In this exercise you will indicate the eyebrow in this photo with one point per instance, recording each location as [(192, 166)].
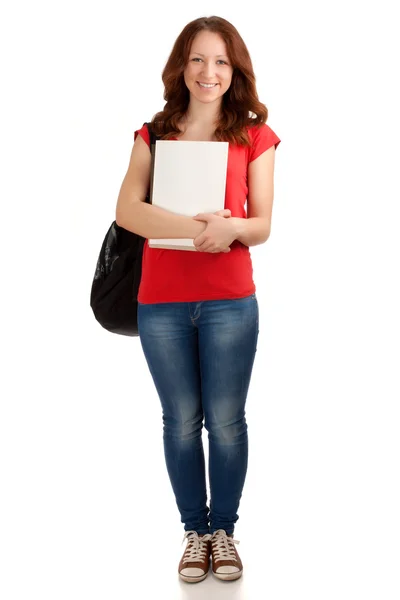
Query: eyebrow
[(218, 55)]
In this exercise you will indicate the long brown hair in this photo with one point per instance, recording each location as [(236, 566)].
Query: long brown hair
[(239, 100)]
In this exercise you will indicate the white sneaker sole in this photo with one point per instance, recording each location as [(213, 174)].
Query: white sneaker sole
[(193, 579), (228, 576)]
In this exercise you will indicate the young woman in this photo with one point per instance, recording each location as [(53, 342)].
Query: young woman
[(198, 311)]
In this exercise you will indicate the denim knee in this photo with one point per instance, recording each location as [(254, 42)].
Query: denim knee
[(181, 428), (228, 433)]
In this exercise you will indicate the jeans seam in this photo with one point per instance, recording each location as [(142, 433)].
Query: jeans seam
[(193, 319)]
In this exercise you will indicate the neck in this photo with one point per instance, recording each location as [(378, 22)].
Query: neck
[(205, 115)]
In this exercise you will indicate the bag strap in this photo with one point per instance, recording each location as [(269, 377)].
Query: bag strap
[(152, 135), (153, 138)]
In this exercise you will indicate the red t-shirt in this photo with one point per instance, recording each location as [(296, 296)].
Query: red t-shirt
[(188, 276)]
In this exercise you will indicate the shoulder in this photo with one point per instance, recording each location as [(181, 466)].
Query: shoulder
[(262, 137), (144, 133)]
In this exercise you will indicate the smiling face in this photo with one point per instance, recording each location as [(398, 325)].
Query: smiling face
[(209, 65)]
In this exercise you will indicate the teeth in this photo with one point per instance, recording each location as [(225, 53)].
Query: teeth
[(207, 85)]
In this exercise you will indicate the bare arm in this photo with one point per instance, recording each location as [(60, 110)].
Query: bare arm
[(134, 214), (257, 227), (252, 231)]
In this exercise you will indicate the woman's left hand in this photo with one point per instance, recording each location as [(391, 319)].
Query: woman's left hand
[(217, 236)]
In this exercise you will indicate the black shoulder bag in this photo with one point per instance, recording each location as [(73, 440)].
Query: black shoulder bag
[(115, 285)]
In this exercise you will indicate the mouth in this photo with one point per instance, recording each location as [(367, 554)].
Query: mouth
[(206, 86)]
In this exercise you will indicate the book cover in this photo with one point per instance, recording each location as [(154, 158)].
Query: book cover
[(188, 178)]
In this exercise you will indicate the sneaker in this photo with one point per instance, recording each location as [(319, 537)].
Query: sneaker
[(226, 563), (195, 562)]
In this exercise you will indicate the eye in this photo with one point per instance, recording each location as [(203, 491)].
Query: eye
[(220, 60)]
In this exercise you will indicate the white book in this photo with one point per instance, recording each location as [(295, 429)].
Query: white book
[(188, 178)]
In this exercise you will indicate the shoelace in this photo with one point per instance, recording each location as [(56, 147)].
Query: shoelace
[(223, 548), (197, 547)]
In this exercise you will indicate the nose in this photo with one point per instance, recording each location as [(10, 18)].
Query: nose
[(208, 70)]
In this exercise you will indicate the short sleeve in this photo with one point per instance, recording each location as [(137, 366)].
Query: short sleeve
[(144, 133), (262, 139)]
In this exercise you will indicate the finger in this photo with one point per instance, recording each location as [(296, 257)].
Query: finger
[(202, 217), (199, 240), (213, 250), (223, 213), (205, 247)]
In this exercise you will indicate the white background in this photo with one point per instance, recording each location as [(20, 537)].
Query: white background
[(86, 507)]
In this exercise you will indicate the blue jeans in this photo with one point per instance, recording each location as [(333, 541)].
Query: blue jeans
[(200, 356)]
